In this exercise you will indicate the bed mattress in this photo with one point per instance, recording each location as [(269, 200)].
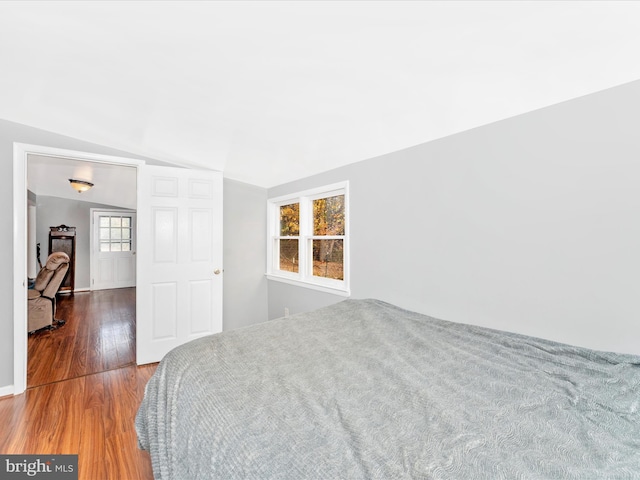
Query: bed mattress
[(366, 390)]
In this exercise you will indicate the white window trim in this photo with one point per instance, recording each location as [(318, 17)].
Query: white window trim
[(304, 278)]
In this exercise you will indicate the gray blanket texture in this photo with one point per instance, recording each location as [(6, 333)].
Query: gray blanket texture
[(366, 390)]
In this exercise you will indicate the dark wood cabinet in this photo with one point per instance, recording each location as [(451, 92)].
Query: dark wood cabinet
[(63, 239)]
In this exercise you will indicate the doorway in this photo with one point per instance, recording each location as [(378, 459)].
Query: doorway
[(178, 273), (21, 155), (100, 329)]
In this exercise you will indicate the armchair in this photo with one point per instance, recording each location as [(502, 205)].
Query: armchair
[(42, 298)]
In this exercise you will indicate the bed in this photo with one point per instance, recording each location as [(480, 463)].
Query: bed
[(366, 390)]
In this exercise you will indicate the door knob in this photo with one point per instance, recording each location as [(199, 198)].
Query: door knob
[(216, 271)]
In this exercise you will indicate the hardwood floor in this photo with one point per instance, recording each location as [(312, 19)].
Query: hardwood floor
[(99, 335), (83, 389), (92, 416)]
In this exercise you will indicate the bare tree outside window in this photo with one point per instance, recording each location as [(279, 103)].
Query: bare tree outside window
[(289, 227), (328, 221), (308, 241)]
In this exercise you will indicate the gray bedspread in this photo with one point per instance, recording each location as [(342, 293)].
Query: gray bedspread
[(365, 390)]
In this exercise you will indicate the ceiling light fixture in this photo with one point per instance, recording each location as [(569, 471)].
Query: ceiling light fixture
[(80, 185)]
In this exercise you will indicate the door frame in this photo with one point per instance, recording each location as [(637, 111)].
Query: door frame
[(93, 253), (20, 154)]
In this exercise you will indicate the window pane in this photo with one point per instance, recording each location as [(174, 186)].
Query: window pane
[(290, 220), (328, 259), (104, 221), (116, 233), (115, 247), (115, 221), (126, 247), (328, 216), (289, 255), (104, 234), (104, 247), (126, 222), (126, 233)]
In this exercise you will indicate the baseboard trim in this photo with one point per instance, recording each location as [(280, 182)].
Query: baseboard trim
[(6, 391), (77, 290)]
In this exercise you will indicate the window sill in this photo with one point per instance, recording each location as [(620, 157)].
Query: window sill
[(344, 292)]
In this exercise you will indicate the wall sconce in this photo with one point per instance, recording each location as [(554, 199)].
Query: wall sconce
[(80, 185)]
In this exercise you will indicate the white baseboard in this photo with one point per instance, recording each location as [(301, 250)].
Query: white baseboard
[(8, 390), (76, 290)]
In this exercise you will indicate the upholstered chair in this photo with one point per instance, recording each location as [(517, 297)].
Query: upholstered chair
[(42, 298)]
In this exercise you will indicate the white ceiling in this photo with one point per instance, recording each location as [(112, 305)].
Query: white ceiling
[(114, 185), (269, 92)]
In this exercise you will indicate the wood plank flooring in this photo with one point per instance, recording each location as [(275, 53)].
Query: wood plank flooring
[(99, 335), (92, 416), (83, 389)]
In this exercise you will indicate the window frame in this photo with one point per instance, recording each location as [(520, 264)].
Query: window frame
[(304, 277), (111, 240)]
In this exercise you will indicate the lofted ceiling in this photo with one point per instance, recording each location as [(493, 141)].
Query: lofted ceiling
[(269, 92)]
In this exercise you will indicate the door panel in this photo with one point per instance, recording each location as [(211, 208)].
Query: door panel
[(180, 218), (165, 313), (105, 272), (165, 234), (201, 305), (125, 271), (200, 223)]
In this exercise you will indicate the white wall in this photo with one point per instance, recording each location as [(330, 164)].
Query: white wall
[(245, 286), (296, 299), (529, 225)]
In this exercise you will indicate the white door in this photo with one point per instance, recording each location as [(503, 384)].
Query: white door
[(113, 249), (179, 288)]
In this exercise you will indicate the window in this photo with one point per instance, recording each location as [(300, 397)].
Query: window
[(115, 233), (308, 239)]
